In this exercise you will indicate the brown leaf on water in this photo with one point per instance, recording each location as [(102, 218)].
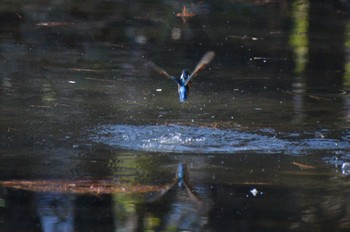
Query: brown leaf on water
[(303, 166), (319, 98), (94, 187), (211, 125), (185, 14)]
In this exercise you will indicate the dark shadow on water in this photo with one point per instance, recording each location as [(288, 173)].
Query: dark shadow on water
[(327, 54)]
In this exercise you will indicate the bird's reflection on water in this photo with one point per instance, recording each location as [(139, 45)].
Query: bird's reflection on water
[(56, 202)]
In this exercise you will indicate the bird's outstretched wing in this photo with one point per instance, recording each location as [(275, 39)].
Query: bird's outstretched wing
[(156, 196), (194, 196), (159, 70), (207, 57)]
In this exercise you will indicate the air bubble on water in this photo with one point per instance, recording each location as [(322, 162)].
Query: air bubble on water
[(345, 168), (254, 192)]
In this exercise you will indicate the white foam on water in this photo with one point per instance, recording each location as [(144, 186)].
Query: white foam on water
[(176, 138)]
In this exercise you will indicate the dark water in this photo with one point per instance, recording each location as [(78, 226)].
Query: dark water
[(264, 133)]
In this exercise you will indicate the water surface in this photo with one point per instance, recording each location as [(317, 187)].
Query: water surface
[(91, 138)]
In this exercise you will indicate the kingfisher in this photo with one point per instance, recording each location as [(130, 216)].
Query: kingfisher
[(184, 82)]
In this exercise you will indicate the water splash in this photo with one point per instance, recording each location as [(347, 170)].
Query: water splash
[(191, 139)]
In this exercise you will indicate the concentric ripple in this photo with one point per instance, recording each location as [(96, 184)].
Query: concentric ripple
[(176, 138)]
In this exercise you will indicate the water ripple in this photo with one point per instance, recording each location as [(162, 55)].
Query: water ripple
[(175, 138)]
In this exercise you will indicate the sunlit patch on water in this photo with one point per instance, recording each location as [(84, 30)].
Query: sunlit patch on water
[(191, 139)]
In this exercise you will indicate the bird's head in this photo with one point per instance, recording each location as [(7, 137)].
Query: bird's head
[(184, 75)]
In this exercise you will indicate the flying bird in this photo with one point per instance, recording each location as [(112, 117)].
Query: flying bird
[(184, 81)]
